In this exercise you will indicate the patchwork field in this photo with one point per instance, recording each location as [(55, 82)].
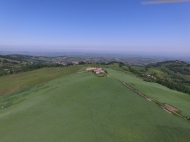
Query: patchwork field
[(82, 107)]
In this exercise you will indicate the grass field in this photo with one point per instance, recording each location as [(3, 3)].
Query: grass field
[(82, 107), (15, 82), (156, 91)]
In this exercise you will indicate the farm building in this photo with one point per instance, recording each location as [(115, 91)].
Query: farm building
[(99, 70), (95, 70)]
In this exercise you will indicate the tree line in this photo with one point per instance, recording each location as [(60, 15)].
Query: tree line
[(27, 68)]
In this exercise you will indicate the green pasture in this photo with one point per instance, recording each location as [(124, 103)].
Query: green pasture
[(85, 108), (158, 92), (138, 68), (157, 71), (187, 77), (114, 66), (15, 82)]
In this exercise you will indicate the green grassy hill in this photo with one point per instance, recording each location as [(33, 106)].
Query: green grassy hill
[(15, 82), (82, 107), (156, 91)]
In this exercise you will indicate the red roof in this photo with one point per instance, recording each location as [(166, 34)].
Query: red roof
[(98, 70)]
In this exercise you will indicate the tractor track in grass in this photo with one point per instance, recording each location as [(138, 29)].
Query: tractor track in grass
[(165, 107)]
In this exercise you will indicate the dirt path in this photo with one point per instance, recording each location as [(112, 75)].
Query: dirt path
[(166, 107)]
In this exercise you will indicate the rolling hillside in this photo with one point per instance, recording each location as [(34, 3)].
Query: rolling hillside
[(156, 91), (172, 74), (15, 82), (83, 107)]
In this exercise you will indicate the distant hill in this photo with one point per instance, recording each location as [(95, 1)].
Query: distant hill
[(12, 64), (173, 74)]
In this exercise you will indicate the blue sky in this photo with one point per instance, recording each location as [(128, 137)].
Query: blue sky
[(122, 25)]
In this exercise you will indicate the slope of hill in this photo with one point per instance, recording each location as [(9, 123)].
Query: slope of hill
[(83, 107), (172, 74), (15, 82), (163, 94)]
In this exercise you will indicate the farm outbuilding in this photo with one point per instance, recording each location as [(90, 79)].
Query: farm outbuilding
[(99, 70)]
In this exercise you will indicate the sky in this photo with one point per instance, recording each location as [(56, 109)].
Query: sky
[(111, 25)]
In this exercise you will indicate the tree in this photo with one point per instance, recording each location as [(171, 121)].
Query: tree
[(11, 72), (5, 61), (81, 63)]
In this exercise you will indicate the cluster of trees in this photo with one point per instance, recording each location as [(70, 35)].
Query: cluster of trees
[(16, 57), (121, 64), (81, 63), (7, 61), (177, 78), (133, 70), (181, 70), (172, 85), (154, 65), (140, 74), (27, 68), (112, 62), (148, 79)]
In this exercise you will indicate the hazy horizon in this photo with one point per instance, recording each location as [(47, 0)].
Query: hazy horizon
[(97, 53)]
